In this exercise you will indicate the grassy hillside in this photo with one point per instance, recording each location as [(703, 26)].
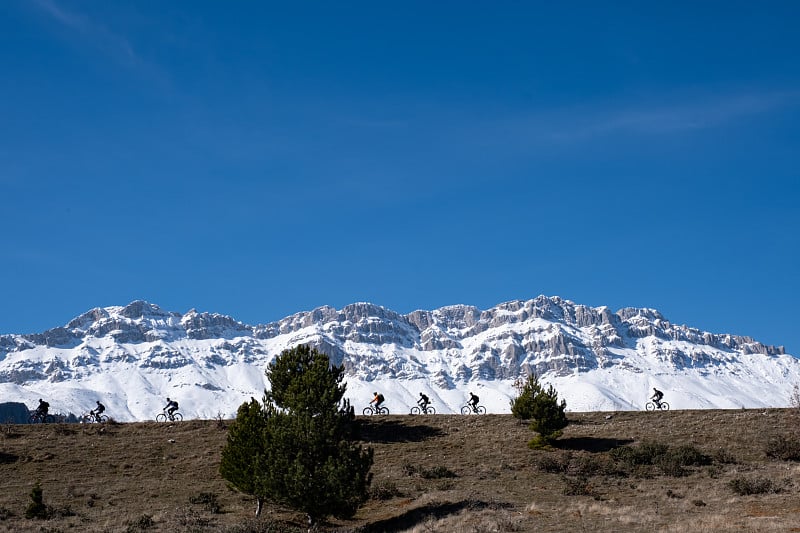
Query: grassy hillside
[(626, 471)]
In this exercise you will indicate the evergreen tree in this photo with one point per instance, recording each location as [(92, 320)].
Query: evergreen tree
[(296, 448), (36, 508), (541, 406), (243, 454)]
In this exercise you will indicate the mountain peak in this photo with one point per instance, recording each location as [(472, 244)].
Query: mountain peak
[(139, 353)]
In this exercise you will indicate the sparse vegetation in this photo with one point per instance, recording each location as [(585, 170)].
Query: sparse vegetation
[(745, 486), (437, 472), (208, 500), (783, 447), (670, 461), (385, 489), (132, 478), (143, 523)]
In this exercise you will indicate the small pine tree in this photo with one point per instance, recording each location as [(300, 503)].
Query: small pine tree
[(540, 405), (37, 508), (296, 449)]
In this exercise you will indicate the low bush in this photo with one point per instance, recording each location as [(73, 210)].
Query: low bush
[(410, 469), (576, 486), (255, 525), (744, 486), (783, 447), (670, 461), (437, 472), (208, 500), (553, 464), (723, 456), (142, 523), (384, 490)]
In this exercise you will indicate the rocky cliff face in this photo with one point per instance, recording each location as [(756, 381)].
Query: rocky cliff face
[(134, 356), (546, 335)]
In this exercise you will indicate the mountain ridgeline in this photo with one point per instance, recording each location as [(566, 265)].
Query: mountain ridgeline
[(446, 347)]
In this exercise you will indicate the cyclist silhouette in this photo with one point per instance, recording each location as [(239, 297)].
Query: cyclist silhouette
[(657, 396), (423, 402)]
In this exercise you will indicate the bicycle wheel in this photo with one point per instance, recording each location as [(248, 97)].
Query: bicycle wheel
[(87, 419), (650, 406), (161, 417), (430, 410), (466, 410), (49, 419), (383, 410), (33, 419), (664, 406), (367, 411), (416, 410), (481, 410), (177, 417), (102, 419)]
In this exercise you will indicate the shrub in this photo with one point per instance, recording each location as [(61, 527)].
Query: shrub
[(783, 447), (437, 472), (262, 526), (552, 464), (142, 523), (576, 486), (409, 468), (723, 456), (744, 486), (670, 461), (687, 455), (208, 500), (646, 453), (384, 490)]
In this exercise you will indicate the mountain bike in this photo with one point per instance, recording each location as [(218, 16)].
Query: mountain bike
[(370, 410), (653, 406), (427, 410), (36, 417), (174, 417), (469, 409), (92, 418)]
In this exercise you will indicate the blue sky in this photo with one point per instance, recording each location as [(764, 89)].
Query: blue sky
[(259, 159)]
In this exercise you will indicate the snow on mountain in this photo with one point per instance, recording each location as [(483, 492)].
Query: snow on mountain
[(135, 356)]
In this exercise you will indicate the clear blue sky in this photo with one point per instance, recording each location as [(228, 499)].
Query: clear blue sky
[(260, 159)]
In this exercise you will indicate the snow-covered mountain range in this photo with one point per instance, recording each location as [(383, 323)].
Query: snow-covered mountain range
[(135, 356)]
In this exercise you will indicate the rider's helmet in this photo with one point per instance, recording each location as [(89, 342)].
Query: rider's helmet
[(420, 394), (98, 402), (375, 393), (40, 399), (167, 398)]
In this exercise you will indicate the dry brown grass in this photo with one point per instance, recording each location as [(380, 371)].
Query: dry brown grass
[(431, 474)]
